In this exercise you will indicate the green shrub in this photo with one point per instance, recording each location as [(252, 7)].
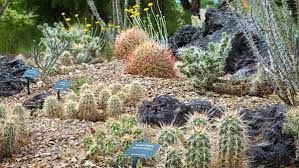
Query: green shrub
[(204, 67)]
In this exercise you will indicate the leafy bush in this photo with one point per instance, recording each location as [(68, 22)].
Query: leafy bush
[(204, 67), (153, 60), (127, 41)]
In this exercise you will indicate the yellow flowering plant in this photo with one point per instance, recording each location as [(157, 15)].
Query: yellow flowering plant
[(154, 23)]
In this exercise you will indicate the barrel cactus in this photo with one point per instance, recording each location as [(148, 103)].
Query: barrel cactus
[(173, 157), (169, 135), (115, 88), (70, 109), (232, 135), (198, 153), (198, 120), (53, 107), (87, 107), (115, 105)]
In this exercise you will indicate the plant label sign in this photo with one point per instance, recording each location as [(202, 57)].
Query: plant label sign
[(141, 150), (31, 74), (62, 85)]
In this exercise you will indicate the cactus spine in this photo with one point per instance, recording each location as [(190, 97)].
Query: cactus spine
[(87, 107), (53, 107), (115, 105), (198, 150), (169, 135), (232, 140), (135, 92), (123, 97), (173, 158), (115, 88), (70, 109), (72, 96), (19, 111), (197, 120), (84, 87)]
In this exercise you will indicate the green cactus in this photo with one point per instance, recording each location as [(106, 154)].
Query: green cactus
[(103, 98), (232, 140), (198, 153), (70, 109), (136, 92), (85, 87), (2, 112), (169, 135), (53, 107), (115, 88), (115, 106), (98, 89), (197, 120), (87, 107), (19, 111), (173, 157)]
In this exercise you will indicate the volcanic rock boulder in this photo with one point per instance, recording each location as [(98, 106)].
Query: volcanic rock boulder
[(165, 109), (11, 72), (36, 102), (272, 148), (217, 22)]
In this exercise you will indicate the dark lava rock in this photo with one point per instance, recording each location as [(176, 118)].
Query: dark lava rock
[(36, 102), (182, 37), (168, 110), (273, 148), (243, 74), (204, 106), (11, 72), (219, 21)]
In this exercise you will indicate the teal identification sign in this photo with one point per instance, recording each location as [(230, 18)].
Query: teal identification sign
[(61, 85), (30, 75), (139, 150)]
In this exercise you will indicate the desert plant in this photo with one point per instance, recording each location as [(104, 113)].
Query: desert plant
[(173, 157), (114, 106), (151, 59), (71, 96), (2, 111), (124, 97), (87, 107), (204, 67), (233, 140), (291, 124), (115, 88), (53, 107), (85, 87), (99, 88), (103, 98), (70, 109), (19, 111), (198, 146), (9, 137), (276, 26), (78, 82), (127, 41), (135, 92), (197, 120), (169, 135)]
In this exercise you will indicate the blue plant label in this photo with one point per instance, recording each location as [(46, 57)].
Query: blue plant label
[(142, 150), (31, 74), (62, 85)]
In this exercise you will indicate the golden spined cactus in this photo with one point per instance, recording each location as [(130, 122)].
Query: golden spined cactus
[(87, 107), (53, 108)]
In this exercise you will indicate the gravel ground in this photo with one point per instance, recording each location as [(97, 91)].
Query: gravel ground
[(58, 143)]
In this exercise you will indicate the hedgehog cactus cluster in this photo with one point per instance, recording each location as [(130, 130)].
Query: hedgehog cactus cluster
[(52, 107), (87, 107), (13, 130)]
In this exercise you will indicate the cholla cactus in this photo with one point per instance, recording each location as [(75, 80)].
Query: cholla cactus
[(232, 134), (198, 150), (70, 109), (115, 88), (2, 112), (135, 92), (169, 135), (198, 120), (103, 98), (87, 107), (204, 67), (53, 107), (173, 157), (19, 111), (115, 105)]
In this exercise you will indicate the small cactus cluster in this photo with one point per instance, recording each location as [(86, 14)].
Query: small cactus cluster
[(13, 131), (53, 107), (205, 146), (112, 139)]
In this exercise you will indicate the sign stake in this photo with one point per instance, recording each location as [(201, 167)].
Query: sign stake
[(134, 162), (28, 86)]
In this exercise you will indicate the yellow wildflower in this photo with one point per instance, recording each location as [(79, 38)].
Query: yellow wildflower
[(62, 13), (157, 15), (132, 16), (85, 30), (117, 27), (150, 4), (67, 19), (136, 6), (110, 25), (76, 15), (71, 29), (103, 28), (146, 9), (127, 10), (85, 18), (88, 25), (97, 22)]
